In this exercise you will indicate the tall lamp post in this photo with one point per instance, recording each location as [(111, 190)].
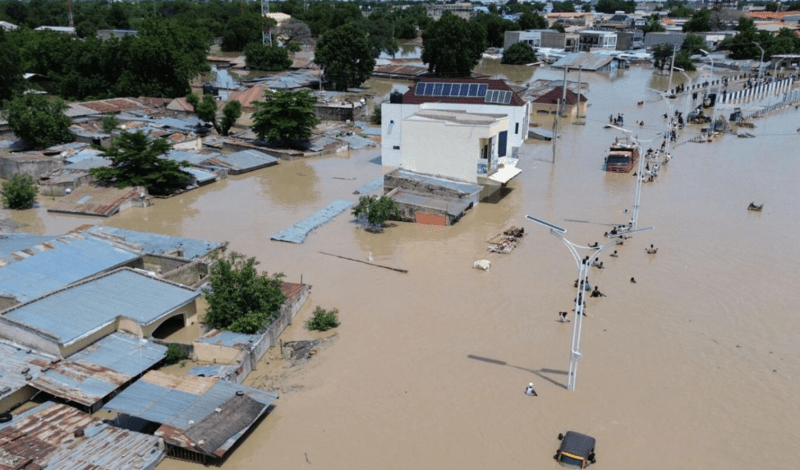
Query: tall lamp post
[(761, 60), (638, 193), (689, 81), (583, 271)]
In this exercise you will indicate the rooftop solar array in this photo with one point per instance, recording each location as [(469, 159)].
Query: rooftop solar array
[(464, 90), (498, 96)]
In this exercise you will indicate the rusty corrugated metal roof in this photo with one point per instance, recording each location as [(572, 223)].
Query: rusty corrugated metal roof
[(95, 200), (46, 437)]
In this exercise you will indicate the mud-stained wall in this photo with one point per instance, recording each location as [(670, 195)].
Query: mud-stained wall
[(18, 397), (29, 337)]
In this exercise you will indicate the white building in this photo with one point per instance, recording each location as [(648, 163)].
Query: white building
[(466, 145), (476, 97), (591, 40)]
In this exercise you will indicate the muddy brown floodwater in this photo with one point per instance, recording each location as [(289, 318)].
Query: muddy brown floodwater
[(694, 366)]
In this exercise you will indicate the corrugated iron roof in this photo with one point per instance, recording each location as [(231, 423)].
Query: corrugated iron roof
[(248, 96), (584, 60), (47, 266), (242, 161), (185, 406), (89, 199), (76, 311), (46, 437), (556, 94), (228, 339), (157, 243), (13, 242), (298, 232), (98, 370), (19, 366)]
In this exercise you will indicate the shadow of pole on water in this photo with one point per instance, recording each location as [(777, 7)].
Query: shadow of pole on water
[(540, 372)]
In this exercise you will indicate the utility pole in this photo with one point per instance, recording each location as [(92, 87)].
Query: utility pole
[(671, 65), (555, 133), (266, 37), (580, 91), (563, 93), (69, 9)]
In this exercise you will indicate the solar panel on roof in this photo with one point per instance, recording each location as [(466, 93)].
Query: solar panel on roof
[(473, 89), (464, 89), (482, 89), (420, 91), (446, 89), (437, 89), (455, 89), (490, 96), (507, 98)]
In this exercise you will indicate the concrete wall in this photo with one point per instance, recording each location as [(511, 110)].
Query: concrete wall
[(392, 181), (29, 337), (393, 114), (455, 150), (7, 302), (191, 275), (35, 167), (215, 354), (77, 345), (60, 189), (163, 263), (20, 396)]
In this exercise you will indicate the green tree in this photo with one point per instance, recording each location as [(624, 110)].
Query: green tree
[(242, 30), (376, 114), (519, 53), (345, 56), (692, 44), (285, 116), (495, 28), (241, 299), (662, 55), (110, 122), (39, 120), (653, 25), (19, 192), (230, 113), (136, 161), (699, 22), (376, 210), (680, 11), (612, 6), (532, 20), (266, 58), (452, 46), (558, 27), (174, 355), (323, 320), (564, 7), (10, 74)]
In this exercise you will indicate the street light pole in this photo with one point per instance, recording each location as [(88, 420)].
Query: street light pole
[(638, 193), (583, 271), (761, 60)]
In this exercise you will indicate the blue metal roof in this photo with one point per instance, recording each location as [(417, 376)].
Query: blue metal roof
[(93, 373), (298, 232), (151, 399), (72, 313), (16, 360), (178, 403), (158, 244), (247, 159), (200, 175), (228, 339), (205, 371), (18, 241), (372, 185), (89, 163), (71, 258), (183, 155)]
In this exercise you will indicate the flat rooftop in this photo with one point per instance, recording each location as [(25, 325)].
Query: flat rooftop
[(74, 312)]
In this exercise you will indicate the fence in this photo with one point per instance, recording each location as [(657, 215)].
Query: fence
[(790, 99)]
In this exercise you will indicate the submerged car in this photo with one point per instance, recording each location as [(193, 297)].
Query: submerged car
[(576, 450)]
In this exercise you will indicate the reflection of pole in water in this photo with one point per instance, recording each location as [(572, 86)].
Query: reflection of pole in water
[(555, 133)]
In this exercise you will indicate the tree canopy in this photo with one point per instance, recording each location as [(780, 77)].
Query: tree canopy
[(207, 111), (519, 53), (376, 210), (158, 61), (135, 161), (743, 45), (612, 6), (532, 20), (39, 120), (285, 116), (495, 27), (266, 58), (653, 25), (242, 30), (10, 74), (241, 299), (19, 192), (452, 46), (346, 57)]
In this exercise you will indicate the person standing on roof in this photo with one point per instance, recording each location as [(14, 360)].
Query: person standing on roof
[(530, 391)]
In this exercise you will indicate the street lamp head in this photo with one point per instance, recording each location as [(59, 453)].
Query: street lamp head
[(705, 52)]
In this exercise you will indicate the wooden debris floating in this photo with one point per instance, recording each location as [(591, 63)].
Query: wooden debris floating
[(506, 242)]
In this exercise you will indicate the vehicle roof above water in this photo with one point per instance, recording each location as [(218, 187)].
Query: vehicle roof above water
[(577, 444)]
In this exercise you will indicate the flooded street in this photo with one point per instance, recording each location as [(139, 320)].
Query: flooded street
[(694, 366)]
